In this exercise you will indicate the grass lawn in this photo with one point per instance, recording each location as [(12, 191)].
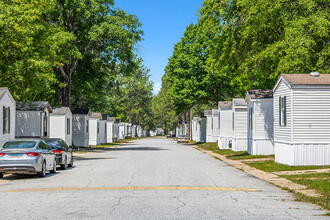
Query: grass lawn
[(319, 182), (234, 155), (245, 155), (272, 166)]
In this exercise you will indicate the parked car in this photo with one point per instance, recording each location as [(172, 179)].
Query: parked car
[(27, 156), (230, 144), (182, 139), (63, 152)]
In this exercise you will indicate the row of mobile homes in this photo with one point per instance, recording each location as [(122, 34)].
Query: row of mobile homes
[(94, 128), (302, 119), (260, 138), (239, 141), (61, 124), (7, 115), (80, 127), (226, 124), (32, 119)]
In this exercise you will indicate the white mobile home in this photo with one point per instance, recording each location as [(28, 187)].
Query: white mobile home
[(196, 129), (112, 130), (260, 122), (215, 125), (94, 128), (32, 119), (128, 131), (61, 124), (226, 124), (80, 127), (209, 126), (122, 130), (7, 116), (103, 129), (239, 107), (302, 119)]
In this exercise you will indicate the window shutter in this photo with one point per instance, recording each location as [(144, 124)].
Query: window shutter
[(279, 110), (8, 120), (4, 120), (284, 106)]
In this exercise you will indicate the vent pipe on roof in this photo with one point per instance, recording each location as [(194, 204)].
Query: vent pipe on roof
[(314, 74)]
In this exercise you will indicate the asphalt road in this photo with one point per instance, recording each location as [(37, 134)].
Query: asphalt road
[(153, 178)]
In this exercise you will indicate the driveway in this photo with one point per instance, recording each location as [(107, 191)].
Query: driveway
[(152, 178)]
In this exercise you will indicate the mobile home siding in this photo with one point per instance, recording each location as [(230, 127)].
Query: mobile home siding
[(103, 130), (6, 101), (80, 137), (28, 124), (110, 132), (94, 136), (311, 115), (283, 133), (57, 126), (209, 131), (216, 124), (226, 127)]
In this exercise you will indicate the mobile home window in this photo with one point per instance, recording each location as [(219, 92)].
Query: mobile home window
[(250, 119), (233, 121), (282, 110), (105, 128), (68, 126), (6, 120), (45, 125), (98, 128), (87, 126)]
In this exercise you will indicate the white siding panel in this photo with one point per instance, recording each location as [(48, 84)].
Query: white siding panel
[(302, 154), (94, 137), (282, 133), (6, 101), (311, 116), (103, 129), (80, 137), (209, 130), (226, 127), (240, 120), (57, 126), (110, 132), (28, 124)]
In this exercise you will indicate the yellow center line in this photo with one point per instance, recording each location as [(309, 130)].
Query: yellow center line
[(132, 188)]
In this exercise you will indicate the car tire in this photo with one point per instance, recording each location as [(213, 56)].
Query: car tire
[(54, 167), (42, 173), (65, 165), (71, 163), (1, 175)]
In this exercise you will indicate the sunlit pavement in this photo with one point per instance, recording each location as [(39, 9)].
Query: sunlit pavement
[(152, 178)]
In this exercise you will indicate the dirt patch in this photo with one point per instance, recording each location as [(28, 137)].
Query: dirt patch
[(257, 159), (300, 172)]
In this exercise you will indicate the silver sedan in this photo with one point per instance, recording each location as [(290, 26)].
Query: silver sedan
[(27, 156)]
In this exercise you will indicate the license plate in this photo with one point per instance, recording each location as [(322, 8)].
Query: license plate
[(15, 156)]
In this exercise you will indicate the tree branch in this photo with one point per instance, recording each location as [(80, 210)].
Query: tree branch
[(63, 74)]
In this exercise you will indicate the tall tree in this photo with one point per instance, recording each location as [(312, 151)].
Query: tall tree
[(104, 35)]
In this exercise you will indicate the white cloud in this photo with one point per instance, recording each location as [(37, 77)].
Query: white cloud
[(157, 87)]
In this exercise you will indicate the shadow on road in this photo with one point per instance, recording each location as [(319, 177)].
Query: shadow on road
[(94, 158), (135, 149)]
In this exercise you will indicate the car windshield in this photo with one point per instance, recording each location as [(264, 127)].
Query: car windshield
[(19, 144), (54, 144), (183, 136)]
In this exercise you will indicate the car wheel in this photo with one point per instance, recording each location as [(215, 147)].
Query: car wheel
[(1, 175), (65, 165), (43, 170), (54, 167), (71, 164)]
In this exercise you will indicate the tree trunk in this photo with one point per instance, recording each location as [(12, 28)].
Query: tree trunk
[(183, 122), (66, 94), (188, 124), (129, 113)]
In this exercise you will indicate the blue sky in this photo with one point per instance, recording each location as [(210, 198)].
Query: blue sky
[(163, 23)]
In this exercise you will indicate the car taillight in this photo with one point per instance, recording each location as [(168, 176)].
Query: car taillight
[(2, 154), (57, 151), (32, 154)]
